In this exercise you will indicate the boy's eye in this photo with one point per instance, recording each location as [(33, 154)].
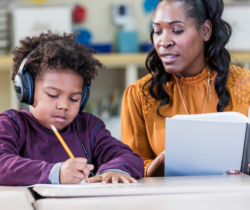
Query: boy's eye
[(178, 32), (73, 100), (52, 96)]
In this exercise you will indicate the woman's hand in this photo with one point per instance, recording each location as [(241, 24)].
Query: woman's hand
[(112, 177), (235, 172), (74, 170), (156, 168)]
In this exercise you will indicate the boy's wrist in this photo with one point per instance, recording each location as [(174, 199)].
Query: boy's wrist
[(54, 176)]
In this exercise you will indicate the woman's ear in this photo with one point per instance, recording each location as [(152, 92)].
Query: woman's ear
[(207, 29)]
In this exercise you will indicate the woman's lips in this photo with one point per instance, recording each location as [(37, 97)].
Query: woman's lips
[(169, 58), (60, 119)]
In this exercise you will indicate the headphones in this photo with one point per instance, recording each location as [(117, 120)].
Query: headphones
[(24, 86)]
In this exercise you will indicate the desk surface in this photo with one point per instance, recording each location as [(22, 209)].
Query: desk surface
[(28, 194), (204, 201), (12, 200), (154, 186)]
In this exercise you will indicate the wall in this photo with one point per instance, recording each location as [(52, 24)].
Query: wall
[(99, 18)]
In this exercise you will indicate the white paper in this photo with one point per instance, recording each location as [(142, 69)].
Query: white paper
[(200, 147), (80, 185)]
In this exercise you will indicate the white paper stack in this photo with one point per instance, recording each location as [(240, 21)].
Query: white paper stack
[(4, 28)]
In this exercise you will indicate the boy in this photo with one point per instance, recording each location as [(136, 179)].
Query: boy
[(55, 76)]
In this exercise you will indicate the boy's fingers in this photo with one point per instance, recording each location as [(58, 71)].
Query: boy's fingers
[(124, 179), (80, 166), (86, 171), (132, 180), (95, 179), (79, 175), (80, 160), (76, 181), (114, 180), (90, 167)]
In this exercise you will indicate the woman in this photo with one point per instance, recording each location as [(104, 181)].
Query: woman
[(190, 73)]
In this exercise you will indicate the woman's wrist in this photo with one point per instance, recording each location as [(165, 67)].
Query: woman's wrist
[(156, 168)]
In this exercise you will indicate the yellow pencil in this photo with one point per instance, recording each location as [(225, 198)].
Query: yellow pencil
[(62, 141), (64, 144)]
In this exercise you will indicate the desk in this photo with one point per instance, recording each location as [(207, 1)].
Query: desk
[(12, 200), (154, 186), (25, 191), (206, 201)]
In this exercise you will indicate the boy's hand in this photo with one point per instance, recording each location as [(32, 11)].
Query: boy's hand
[(112, 177), (74, 170)]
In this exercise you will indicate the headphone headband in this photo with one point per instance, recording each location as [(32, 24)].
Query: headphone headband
[(24, 84)]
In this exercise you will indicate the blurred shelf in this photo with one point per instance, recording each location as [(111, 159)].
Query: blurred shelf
[(121, 60)]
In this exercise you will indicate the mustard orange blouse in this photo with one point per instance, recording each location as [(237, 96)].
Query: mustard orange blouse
[(144, 130)]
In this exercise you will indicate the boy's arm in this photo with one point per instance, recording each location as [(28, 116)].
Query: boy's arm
[(111, 154), (15, 170)]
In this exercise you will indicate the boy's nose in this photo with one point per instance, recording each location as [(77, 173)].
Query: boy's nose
[(63, 105)]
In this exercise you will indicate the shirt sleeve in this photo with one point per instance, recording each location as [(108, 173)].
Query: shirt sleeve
[(17, 170), (111, 154), (116, 170), (133, 127), (54, 175)]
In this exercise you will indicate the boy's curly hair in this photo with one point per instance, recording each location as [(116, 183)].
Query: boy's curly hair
[(55, 52)]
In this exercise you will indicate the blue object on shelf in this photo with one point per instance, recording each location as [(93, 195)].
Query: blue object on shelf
[(146, 47), (83, 37), (150, 5), (101, 48), (128, 42)]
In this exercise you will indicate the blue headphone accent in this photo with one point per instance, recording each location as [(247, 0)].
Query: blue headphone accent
[(30, 93)]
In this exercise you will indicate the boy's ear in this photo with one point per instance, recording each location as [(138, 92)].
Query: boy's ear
[(207, 30)]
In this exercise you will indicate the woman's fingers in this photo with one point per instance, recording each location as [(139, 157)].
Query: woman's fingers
[(235, 172)]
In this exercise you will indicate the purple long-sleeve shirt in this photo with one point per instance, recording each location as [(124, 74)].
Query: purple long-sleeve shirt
[(28, 151)]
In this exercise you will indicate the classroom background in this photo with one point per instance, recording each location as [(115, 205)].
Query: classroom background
[(117, 29)]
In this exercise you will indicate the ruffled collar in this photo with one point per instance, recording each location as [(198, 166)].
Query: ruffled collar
[(202, 76)]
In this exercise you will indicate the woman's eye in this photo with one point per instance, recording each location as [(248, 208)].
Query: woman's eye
[(178, 32), (157, 32), (52, 96), (73, 100)]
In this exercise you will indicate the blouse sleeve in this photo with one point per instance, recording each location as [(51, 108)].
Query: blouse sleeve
[(133, 128)]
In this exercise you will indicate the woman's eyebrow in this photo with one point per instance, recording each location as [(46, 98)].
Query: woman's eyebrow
[(177, 21), (170, 23)]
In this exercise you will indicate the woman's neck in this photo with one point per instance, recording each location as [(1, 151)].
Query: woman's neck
[(191, 71)]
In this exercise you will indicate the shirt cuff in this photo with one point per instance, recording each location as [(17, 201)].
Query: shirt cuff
[(54, 175), (116, 170)]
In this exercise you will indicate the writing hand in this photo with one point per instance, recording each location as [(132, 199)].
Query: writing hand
[(74, 170)]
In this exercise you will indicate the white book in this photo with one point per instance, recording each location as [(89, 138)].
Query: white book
[(207, 144)]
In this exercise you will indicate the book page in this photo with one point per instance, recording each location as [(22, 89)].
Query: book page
[(82, 184), (197, 147), (216, 117)]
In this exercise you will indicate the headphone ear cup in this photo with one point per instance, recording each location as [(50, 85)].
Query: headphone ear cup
[(85, 97), (31, 85)]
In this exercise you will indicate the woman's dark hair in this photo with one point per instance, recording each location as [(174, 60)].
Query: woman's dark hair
[(53, 52), (218, 58)]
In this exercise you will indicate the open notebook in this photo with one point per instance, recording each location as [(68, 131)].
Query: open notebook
[(207, 144)]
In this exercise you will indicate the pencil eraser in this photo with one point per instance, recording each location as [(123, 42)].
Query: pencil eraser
[(53, 127)]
